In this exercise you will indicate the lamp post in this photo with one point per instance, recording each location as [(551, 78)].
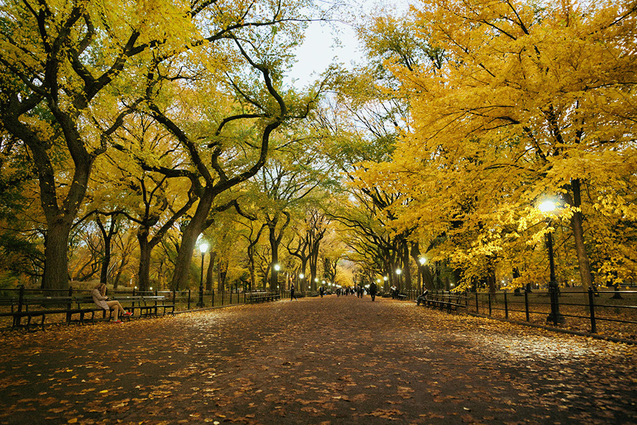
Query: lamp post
[(301, 288), (276, 269), (422, 261), (203, 248), (399, 272), (548, 207)]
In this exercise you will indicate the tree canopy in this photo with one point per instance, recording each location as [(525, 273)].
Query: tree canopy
[(132, 131)]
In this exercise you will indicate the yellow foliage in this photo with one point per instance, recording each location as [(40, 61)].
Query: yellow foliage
[(528, 101)]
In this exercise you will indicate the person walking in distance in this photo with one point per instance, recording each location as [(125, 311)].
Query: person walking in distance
[(372, 290), (292, 296)]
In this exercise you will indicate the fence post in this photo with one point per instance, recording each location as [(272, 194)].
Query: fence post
[(213, 297), (526, 305), (188, 298), (16, 319), (69, 306), (174, 297), (591, 307), (132, 304), (506, 306), (489, 294), (477, 304)]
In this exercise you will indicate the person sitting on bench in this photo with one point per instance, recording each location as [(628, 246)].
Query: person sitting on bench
[(422, 298), (100, 298)]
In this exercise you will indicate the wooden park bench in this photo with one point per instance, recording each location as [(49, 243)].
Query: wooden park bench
[(261, 296), (149, 305), (78, 309), (448, 302), (39, 307)]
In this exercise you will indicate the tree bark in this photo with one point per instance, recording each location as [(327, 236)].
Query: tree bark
[(406, 265), (210, 270), (56, 268), (274, 247), (107, 237), (143, 272), (577, 226), (189, 240)]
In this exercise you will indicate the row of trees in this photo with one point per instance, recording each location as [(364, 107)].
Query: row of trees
[(132, 126), (511, 103), (130, 133)]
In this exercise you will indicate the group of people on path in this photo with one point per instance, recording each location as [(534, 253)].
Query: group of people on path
[(359, 290)]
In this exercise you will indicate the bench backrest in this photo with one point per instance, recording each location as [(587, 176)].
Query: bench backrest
[(46, 302)]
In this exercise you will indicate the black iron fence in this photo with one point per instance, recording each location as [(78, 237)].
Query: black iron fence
[(15, 299), (608, 313)]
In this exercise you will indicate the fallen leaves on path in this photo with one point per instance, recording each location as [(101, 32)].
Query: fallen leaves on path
[(331, 360)]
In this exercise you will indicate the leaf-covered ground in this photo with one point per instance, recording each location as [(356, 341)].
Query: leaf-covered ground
[(315, 361)]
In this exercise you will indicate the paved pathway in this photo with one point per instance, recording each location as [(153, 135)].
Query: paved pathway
[(315, 361)]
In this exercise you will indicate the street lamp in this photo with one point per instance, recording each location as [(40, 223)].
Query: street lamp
[(300, 288), (203, 248), (399, 272), (276, 269), (421, 274), (547, 207)]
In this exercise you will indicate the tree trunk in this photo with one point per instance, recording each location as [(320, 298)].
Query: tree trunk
[(107, 237), (252, 267), (406, 266), (415, 254), (312, 284), (427, 277), (491, 278), (577, 226), (189, 240), (210, 271), (222, 272), (313, 259), (120, 270), (304, 286), (56, 268), (143, 272), (59, 221), (274, 246)]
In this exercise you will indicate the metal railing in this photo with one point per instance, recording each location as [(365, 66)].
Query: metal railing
[(609, 313)]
